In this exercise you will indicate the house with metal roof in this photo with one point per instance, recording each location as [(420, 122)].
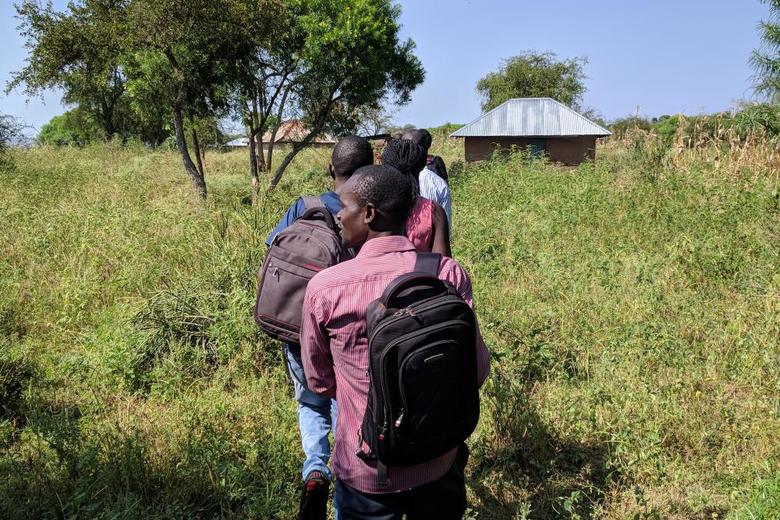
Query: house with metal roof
[(543, 125)]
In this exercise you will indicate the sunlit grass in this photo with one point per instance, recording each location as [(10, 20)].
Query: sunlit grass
[(632, 307)]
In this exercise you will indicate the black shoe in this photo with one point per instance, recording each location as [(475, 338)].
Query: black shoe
[(314, 499)]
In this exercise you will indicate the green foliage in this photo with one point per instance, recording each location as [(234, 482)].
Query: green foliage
[(621, 126), (766, 61), (10, 132), (75, 127), (750, 119), (535, 74), (758, 117), (349, 62), (77, 51)]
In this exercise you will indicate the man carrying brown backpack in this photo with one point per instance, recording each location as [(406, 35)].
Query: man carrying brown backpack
[(317, 413)]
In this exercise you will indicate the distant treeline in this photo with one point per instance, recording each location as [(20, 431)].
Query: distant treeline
[(750, 119)]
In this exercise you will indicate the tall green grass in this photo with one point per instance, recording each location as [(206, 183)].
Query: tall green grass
[(631, 305)]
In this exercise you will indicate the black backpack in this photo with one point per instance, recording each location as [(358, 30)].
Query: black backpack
[(307, 246), (423, 399)]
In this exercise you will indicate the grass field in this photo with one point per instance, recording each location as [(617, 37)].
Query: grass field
[(632, 308)]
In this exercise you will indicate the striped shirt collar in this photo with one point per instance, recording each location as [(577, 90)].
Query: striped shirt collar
[(381, 245)]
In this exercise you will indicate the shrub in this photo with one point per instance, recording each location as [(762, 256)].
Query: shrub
[(73, 128), (758, 118)]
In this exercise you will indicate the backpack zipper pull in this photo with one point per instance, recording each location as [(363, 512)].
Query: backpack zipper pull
[(400, 418)]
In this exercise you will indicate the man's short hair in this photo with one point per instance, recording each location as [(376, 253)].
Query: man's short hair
[(350, 154), (420, 136), (405, 155), (391, 192)]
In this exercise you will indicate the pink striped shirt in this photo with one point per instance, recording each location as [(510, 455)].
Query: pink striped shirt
[(334, 349), (419, 225)]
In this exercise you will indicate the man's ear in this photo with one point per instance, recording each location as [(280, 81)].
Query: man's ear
[(371, 214), (331, 170)]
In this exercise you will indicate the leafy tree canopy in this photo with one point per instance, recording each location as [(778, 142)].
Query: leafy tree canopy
[(350, 61), (79, 52), (535, 74), (766, 61), (10, 133), (73, 128)]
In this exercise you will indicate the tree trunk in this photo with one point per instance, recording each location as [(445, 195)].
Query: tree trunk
[(316, 129), (260, 153), (253, 166), (256, 130), (297, 147), (279, 114), (197, 179), (196, 144)]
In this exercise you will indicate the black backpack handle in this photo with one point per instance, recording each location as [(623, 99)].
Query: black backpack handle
[(414, 280), (424, 276)]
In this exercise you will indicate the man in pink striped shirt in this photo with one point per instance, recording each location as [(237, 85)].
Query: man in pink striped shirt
[(375, 204)]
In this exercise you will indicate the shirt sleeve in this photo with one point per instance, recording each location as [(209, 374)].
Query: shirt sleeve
[(315, 347), (292, 213), (446, 203), (455, 274)]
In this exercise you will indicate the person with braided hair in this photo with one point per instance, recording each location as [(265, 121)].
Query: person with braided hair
[(433, 173), (427, 226)]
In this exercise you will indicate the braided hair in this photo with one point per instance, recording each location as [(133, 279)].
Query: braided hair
[(407, 157)]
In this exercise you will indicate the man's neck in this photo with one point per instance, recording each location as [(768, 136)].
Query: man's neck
[(381, 234), (338, 182)]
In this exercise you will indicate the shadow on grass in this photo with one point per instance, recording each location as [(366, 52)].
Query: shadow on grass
[(68, 466), (525, 470)]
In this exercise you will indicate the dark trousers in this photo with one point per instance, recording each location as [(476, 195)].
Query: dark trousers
[(443, 499)]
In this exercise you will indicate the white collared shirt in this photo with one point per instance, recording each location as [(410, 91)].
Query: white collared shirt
[(435, 188)]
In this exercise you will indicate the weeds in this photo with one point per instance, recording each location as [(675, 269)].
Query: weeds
[(631, 306)]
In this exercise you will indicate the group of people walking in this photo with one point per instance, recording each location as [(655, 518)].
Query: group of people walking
[(384, 386)]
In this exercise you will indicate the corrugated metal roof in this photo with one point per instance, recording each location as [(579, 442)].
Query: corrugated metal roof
[(531, 117)]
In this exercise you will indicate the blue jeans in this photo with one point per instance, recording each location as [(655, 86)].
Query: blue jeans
[(316, 416)]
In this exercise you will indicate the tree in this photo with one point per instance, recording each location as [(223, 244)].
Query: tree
[(535, 74), (10, 133), (263, 97), (350, 59), (766, 62), (191, 55), (75, 127), (77, 51)]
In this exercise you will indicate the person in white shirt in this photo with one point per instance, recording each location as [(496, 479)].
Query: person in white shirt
[(432, 186)]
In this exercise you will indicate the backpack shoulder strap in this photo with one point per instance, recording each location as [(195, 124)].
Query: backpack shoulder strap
[(311, 202), (428, 263)]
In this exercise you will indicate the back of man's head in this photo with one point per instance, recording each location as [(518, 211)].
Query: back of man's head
[(350, 154), (405, 155), (420, 136), (390, 191)]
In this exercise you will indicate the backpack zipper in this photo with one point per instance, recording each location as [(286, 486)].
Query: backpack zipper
[(414, 311)]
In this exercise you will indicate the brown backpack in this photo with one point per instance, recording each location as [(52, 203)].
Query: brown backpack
[(307, 246)]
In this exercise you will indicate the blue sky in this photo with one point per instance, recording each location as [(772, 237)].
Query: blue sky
[(663, 56)]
